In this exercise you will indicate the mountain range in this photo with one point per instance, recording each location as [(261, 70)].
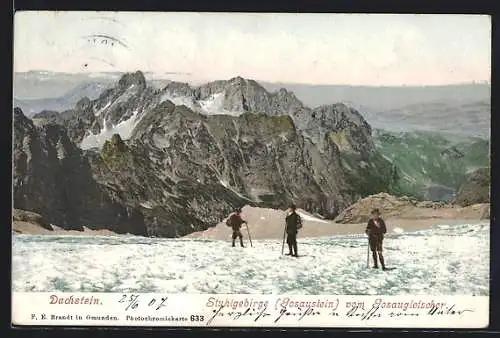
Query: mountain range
[(170, 161), (462, 109)]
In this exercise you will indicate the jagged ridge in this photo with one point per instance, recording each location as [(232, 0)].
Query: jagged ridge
[(183, 167)]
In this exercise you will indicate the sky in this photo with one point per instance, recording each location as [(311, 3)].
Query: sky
[(352, 49)]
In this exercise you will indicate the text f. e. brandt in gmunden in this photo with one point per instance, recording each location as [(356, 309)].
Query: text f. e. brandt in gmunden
[(146, 309)]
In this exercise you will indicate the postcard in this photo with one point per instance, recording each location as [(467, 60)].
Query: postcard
[(251, 170)]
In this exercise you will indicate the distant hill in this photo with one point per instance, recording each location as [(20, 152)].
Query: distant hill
[(67, 101), (384, 98), (35, 85), (470, 119)]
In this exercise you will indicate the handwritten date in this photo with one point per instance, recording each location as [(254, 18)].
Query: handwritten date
[(132, 302)]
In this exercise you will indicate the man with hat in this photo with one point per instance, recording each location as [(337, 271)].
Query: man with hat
[(376, 229), (235, 222), (293, 224)]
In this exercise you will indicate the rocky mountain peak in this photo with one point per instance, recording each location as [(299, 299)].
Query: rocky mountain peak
[(287, 99), (179, 89), (340, 116), (237, 80), (18, 114), (114, 152), (113, 146), (243, 82), (284, 92), (117, 143), (132, 79)]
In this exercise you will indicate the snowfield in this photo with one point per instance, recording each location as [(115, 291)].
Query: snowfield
[(124, 128), (445, 260)]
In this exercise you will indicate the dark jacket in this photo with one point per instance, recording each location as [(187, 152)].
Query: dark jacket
[(235, 221), (293, 223), (373, 230)]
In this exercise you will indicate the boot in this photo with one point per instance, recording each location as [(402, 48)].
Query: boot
[(241, 242), (290, 251), (381, 260), (375, 262), (233, 242), (296, 253)]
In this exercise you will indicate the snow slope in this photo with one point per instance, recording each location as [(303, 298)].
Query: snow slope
[(445, 260), (124, 128)]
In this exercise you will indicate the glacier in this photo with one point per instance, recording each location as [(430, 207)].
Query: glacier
[(123, 128), (443, 260)]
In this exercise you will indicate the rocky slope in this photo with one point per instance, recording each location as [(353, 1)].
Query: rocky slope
[(405, 208), (31, 223), (172, 161), (476, 189), (19, 215), (53, 177), (432, 166), (115, 189)]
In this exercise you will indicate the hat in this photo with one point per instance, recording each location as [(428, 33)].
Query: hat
[(375, 211)]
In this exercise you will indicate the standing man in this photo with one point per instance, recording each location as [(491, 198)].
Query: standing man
[(376, 230), (293, 224), (235, 221)]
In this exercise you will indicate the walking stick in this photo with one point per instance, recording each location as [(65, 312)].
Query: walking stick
[(283, 246), (368, 254), (249, 237)]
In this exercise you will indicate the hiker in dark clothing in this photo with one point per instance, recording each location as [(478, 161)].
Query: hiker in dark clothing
[(235, 221), (293, 224), (376, 230)]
